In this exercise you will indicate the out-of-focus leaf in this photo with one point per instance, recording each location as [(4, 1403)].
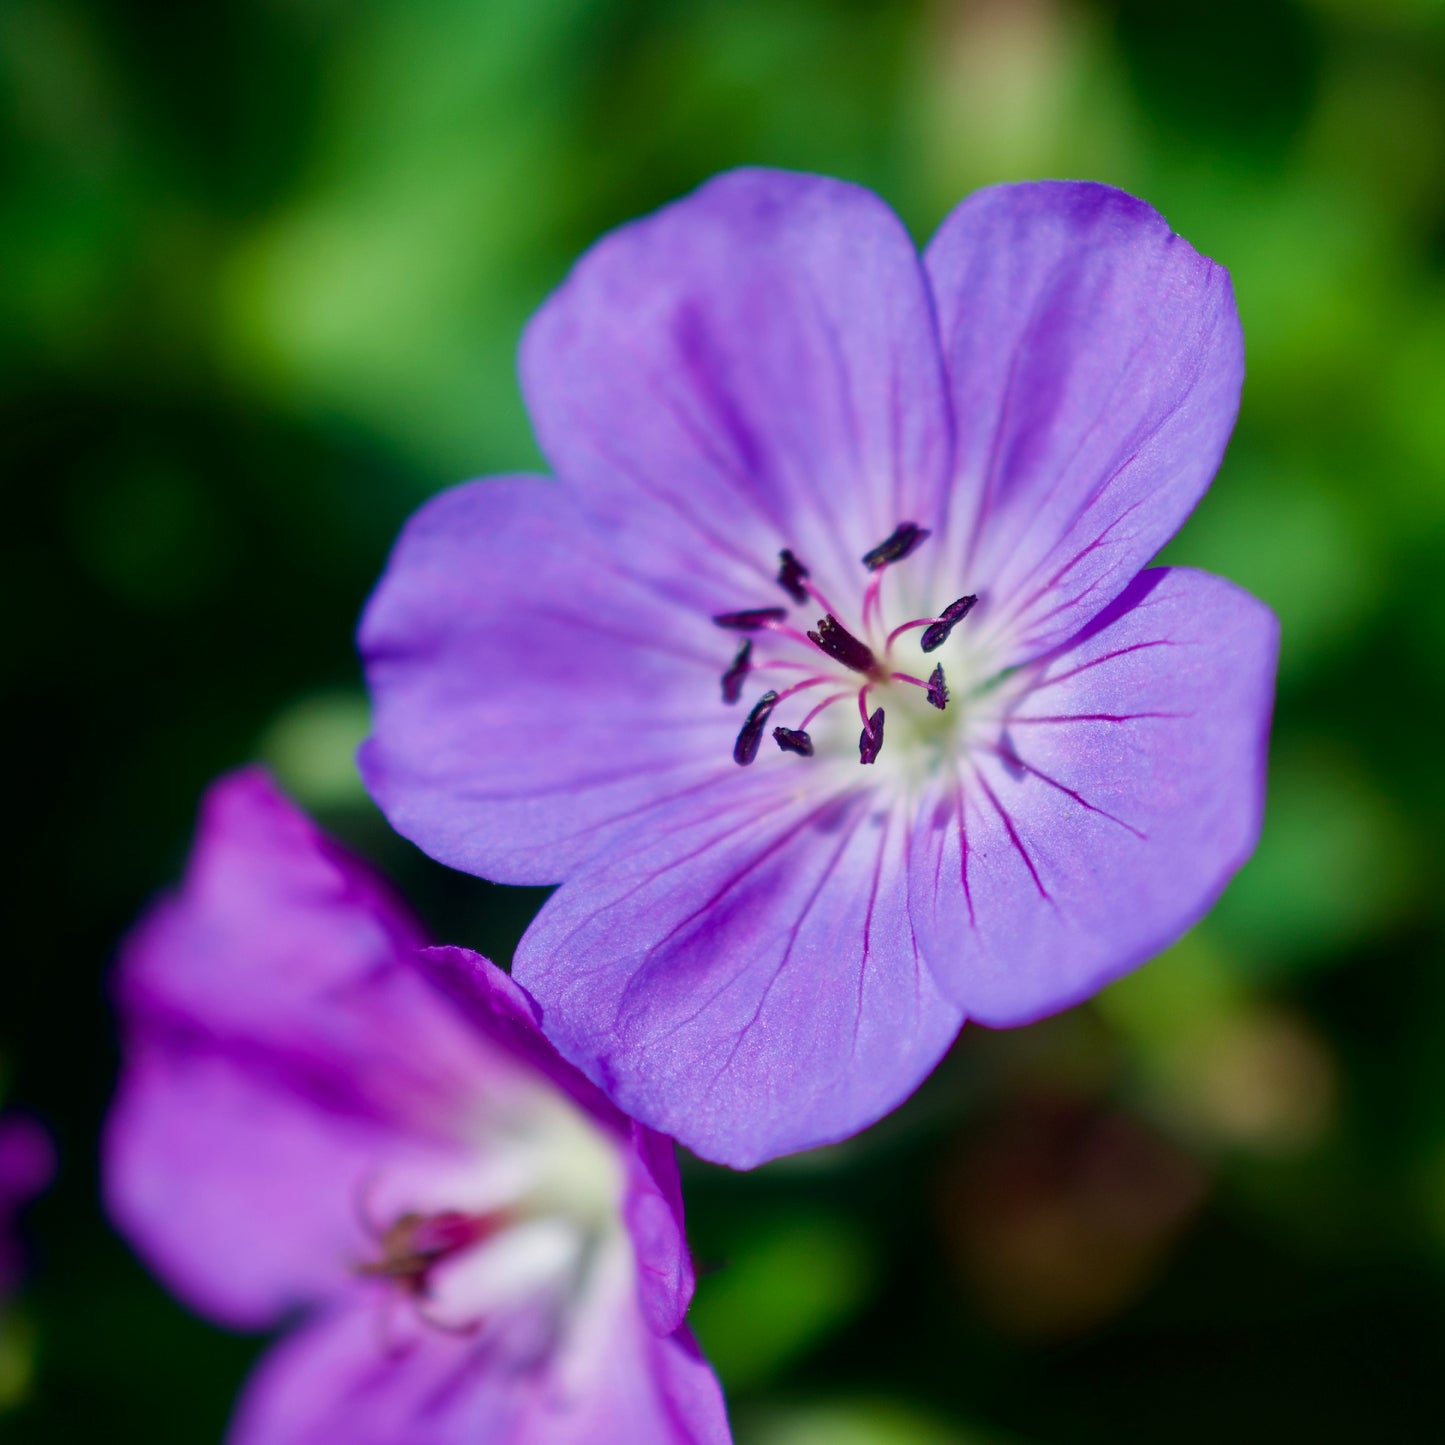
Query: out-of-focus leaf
[(785, 1287)]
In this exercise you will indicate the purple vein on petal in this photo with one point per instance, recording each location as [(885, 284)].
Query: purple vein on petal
[(753, 816), (727, 414), (848, 835), (1008, 823), (654, 803), (1093, 662), (1101, 581), (962, 850), (918, 964), (1105, 410), (868, 927), (472, 793), (1021, 608), (581, 624), (736, 975), (828, 510), (752, 865), (1017, 719), (1001, 425), (1010, 756), (720, 543), (784, 802)]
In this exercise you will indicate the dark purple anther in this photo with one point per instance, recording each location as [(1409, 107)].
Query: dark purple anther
[(790, 576), (746, 747), (870, 740), (732, 679), (937, 688), (752, 619), (905, 538), (937, 634), (842, 646), (793, 740)]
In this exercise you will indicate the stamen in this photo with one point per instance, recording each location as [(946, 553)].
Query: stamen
[(794, 740), (746, 747), (816, 593), (937, 688), (826, 703), (840, 644), (870, 740), (732, 679), (751, 619), (790, 576), (904, 539), (871, 596), (906, 627), (948, 619)]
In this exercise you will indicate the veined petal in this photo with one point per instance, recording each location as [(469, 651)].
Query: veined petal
[(751, 368), (1126, 789), (745, 978), (529, 691), (1095, 361)]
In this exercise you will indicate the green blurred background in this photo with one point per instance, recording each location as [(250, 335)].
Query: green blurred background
[(263, 264)]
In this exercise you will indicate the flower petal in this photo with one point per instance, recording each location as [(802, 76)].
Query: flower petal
[(751, 368), (1095, 361), (652, 1207), (653, 1213), (1127, 788), (247, 1202), (344, 1378), (281, 1051), (272, 915), (369, 1378), (529, 691), (744, 978)]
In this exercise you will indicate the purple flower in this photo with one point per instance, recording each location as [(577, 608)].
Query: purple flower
[(27, 1162), (320, 1115), (897, 512)]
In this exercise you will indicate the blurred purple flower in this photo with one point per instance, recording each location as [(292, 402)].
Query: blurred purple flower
[(320, 1115), (27, 1162), (844, 488)]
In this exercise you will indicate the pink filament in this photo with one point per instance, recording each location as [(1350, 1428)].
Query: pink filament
[(827, 702), (908, 627)]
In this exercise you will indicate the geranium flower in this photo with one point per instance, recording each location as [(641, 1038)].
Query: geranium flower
[(27, 1162), (319, 1115), (826, 679)]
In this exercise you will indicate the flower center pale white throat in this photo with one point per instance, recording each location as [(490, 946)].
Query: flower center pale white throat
[(832, 660)]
